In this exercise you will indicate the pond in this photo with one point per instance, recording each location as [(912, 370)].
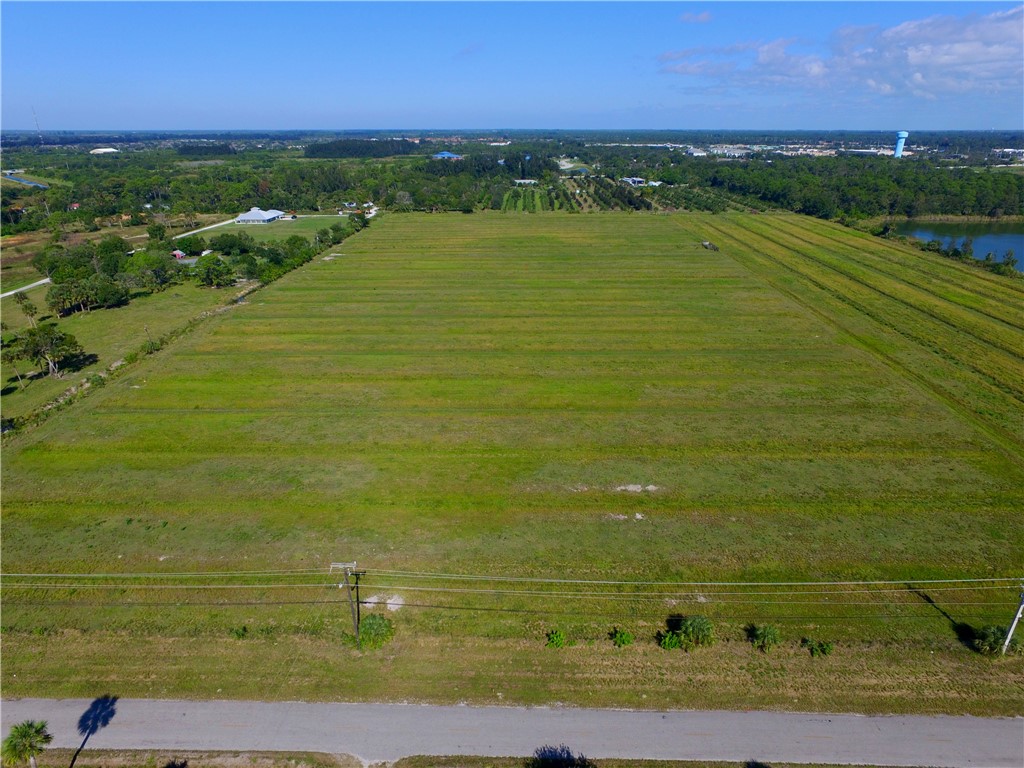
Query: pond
[(25, 181), (986, 237)]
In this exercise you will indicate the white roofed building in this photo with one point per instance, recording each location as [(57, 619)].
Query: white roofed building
[(259, 216)]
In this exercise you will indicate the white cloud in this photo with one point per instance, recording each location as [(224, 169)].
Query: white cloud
[(696, 18), (925, 58)]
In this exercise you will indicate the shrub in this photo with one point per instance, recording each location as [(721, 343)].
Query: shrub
[(989, 641), (239, 633), (556, 638), (764, 636), (375, 631), (558, 757), (670, 640), (696, 631), (620, 637), (817, 647)]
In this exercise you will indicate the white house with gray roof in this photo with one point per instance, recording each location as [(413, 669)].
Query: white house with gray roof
[(259, 216)]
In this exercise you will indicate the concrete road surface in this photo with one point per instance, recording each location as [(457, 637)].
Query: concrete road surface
[(377, 732), (44, 281)]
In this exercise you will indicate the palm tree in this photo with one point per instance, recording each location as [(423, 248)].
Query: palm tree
[(25, 741)]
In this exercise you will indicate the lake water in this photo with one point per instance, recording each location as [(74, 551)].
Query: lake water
[(987, 237), (25, 181)]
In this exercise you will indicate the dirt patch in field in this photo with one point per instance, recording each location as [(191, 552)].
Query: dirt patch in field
[(391, 602)]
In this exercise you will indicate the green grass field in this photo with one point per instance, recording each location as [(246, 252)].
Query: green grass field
[(468, 394), (105, 335), (306, 226)]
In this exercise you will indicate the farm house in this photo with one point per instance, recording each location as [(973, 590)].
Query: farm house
[(259, 216)]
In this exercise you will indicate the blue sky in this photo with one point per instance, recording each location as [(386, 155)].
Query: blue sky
[(484, 65)]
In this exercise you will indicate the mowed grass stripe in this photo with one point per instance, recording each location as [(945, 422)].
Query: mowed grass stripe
[(490, 443), (985, 326), (1003, 350), (989, 362), (932, 365), (943, 276)]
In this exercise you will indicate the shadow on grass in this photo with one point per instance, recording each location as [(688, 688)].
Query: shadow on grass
[(965, 633), (73, 363), (97, 716), (558, 757)]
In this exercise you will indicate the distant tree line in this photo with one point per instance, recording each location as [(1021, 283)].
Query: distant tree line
[(200, 150), (858, 187), (140, 187), (363, 148)]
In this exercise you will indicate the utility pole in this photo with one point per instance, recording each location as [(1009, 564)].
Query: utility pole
[(1013, 626), (359, 612), (346, 569)]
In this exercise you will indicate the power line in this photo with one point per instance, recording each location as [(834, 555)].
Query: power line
[(1009, 580), (160, 574), (423, 574), (169, 586)]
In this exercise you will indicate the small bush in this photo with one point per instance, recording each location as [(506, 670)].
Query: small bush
[(556, 638), (764, 636), (375, 631), (558, 757), (239, 633), (989, 641), (670, 640), (817, 647), (620, 637), (696, 631)]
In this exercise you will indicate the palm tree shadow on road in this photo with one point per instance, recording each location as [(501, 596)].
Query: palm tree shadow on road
[(97, 716)]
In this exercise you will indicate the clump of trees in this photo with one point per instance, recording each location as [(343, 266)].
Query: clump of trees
[(90, 275), (44, 344)]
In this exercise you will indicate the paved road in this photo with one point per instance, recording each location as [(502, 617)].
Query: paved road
[(203, 229), (44, 281), (376, 732)]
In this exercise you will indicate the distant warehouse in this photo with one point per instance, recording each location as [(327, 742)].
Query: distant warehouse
[(259, 216)]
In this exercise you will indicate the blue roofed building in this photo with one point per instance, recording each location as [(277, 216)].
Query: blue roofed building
[(447, 156)]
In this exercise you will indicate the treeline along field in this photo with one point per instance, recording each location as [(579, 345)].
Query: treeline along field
[(591, 397)]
